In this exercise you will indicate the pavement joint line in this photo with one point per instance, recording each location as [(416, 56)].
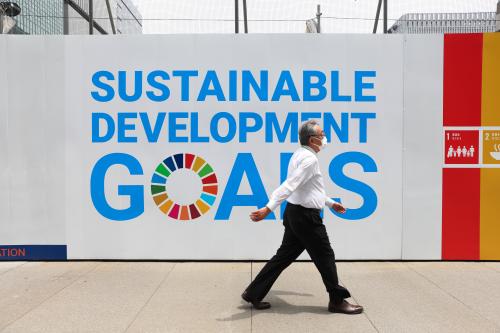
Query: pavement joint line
[(364, 310), (453, 296), (493, 269), (49, 297), (150, 297), (251, 307), (12, 268)]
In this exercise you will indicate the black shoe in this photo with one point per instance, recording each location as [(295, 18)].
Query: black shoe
[(344, 307), (258, 305)]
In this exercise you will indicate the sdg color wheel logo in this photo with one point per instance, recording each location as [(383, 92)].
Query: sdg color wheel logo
[(163, 194)]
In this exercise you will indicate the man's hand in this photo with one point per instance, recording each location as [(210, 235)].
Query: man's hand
[(260, 214), (338, 208)]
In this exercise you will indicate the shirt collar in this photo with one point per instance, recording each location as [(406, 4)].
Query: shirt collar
[(310, 149)]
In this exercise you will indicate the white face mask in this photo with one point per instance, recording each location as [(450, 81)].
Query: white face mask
[(324, 142)]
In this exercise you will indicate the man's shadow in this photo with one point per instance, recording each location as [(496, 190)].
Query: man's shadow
[(278, 305)]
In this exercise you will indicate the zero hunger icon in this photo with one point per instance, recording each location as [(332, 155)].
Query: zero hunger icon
[(195, 164)]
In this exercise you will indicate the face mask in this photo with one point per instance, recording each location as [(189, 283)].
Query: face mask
[(324, 141)]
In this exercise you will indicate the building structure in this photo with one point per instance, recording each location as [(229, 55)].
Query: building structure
[(70, 17)]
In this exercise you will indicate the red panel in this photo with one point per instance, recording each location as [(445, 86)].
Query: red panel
[(461, 212), (463, 59)]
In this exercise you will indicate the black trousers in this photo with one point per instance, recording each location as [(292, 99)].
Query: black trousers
[(304, 229)]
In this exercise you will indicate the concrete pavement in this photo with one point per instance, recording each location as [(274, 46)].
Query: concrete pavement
[(205, 297)]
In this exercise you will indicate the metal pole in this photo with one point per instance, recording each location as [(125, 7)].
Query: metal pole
[(498, 16), (236, 17), (66, 18), (110, 14), (385, 16), (245, 15), (91, 17), (2, 13), (84, 13), (377, 16), (318, 17)]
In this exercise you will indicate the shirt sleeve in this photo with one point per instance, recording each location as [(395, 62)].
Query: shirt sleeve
[(304, 171), (328, 201)]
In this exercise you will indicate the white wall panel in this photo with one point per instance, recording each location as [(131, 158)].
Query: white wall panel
[(423, 146), (35, 139)]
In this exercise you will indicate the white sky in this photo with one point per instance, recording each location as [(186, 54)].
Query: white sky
[(358, 14)]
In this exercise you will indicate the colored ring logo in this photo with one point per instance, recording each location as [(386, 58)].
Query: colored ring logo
[(190, 162)]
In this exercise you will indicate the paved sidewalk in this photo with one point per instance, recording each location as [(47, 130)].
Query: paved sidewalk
[(205, 297)]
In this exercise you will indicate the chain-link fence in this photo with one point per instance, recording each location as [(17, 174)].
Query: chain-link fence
[(263, 16), (289, 16)]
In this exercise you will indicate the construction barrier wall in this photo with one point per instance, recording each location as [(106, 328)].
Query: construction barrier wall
[(160, 146)]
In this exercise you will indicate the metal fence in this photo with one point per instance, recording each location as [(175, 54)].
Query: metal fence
[(263, 16), (436, 23)]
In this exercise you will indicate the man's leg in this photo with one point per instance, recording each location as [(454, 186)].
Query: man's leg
[(290, 249), (312, 233)]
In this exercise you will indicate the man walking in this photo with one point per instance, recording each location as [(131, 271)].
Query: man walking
[(304, 228)]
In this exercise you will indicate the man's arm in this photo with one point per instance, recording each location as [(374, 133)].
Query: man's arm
[(300, 175), (335, 205)]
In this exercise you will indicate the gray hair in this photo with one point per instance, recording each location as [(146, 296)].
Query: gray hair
[(307, 130)]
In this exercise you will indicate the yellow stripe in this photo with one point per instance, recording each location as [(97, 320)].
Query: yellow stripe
[(165, 208), (490, 177), (202, 206), (490, 102), (490, 214)]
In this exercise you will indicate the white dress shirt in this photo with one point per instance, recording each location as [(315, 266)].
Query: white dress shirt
[(304, 185)]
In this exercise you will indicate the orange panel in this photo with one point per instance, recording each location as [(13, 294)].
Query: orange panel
[(490, 104), (184, 213), (490, 214)]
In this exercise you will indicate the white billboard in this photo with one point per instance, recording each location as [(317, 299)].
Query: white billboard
[(163, 145)]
